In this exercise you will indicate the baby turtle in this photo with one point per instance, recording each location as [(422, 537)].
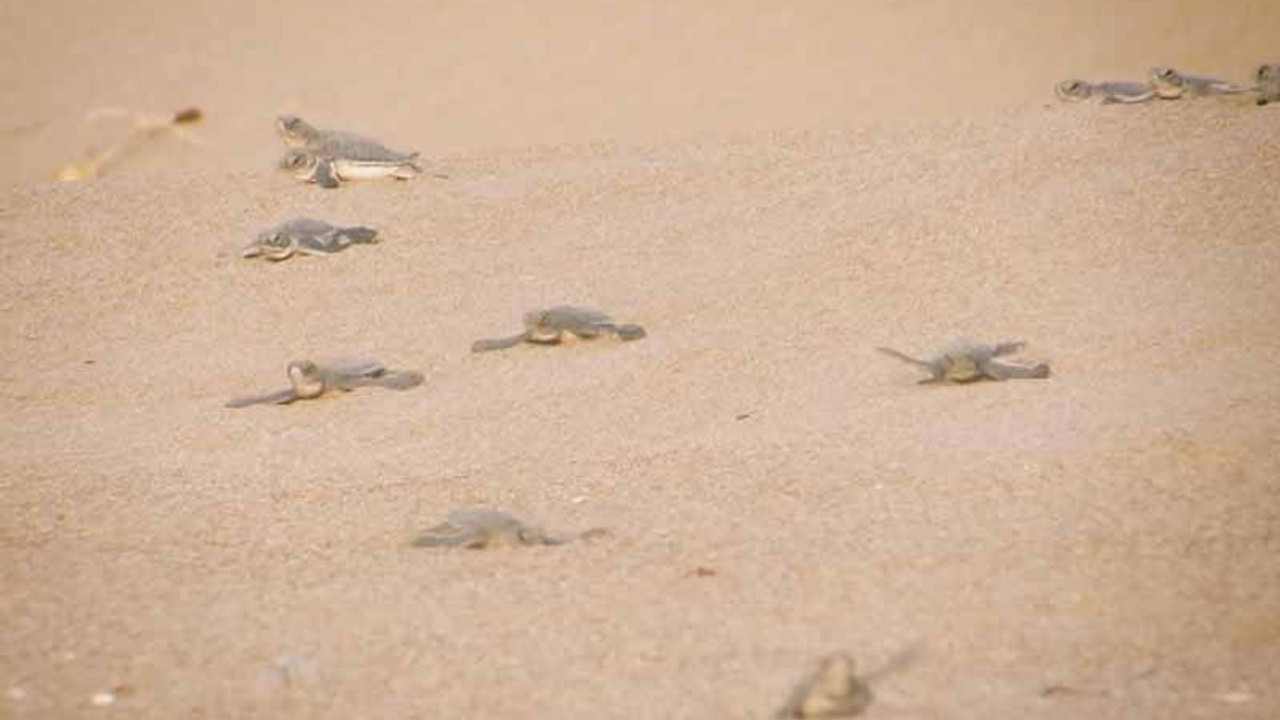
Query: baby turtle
[(304, 236), (1268, 77), (326, 157), (296, 132), (966, 361), (483, 529), (328, 167), (1108, 92), (835, 690), (1171, 84), (549, 327), (311, 380)]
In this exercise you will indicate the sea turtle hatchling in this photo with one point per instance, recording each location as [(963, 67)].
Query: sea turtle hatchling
[(305, 236), (1170, 84), (833, 691), (296, 132), (966, 361), (1074, 90), (1268, 77), (549, 326), (326, 157), (484, 529), (329, 167), (310, 380)]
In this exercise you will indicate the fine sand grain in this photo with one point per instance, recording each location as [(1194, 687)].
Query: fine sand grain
[(772, 191)]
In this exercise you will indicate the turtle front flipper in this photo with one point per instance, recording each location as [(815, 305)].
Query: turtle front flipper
[(906, 358), (480, 346), (445, 534), (282, 251), (325, 174), (625, 333), (280, 397)]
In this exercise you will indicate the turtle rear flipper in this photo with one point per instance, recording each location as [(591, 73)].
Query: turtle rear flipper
[(410, 168), (403, 380), (627, 333), (622, 332)]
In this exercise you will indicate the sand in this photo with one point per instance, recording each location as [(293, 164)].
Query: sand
[(772, 191)]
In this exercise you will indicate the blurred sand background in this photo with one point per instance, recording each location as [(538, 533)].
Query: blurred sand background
[(773, 190)]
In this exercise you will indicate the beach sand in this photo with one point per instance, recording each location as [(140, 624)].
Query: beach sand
[(772, 191)]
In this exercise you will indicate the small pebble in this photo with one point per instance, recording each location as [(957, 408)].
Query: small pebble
[(103, 699)]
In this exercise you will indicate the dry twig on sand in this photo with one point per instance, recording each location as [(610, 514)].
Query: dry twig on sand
[(145, 128)]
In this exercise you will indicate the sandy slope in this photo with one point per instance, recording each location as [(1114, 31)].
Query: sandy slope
[(1111, 530)]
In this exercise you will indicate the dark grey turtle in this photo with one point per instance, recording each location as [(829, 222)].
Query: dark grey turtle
[(305, 236), (484, 529), (1171, 84), (1268, 77), (310, 380), (1108, 92), (329, 156), (834, 690), (296, 132), (966, 361), (549, 327)]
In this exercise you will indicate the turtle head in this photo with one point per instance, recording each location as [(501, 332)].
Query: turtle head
[(1072, 89), (272, 244), (306, 378), (534, 318), (837, 675), (1167, 82), (294, 130)]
